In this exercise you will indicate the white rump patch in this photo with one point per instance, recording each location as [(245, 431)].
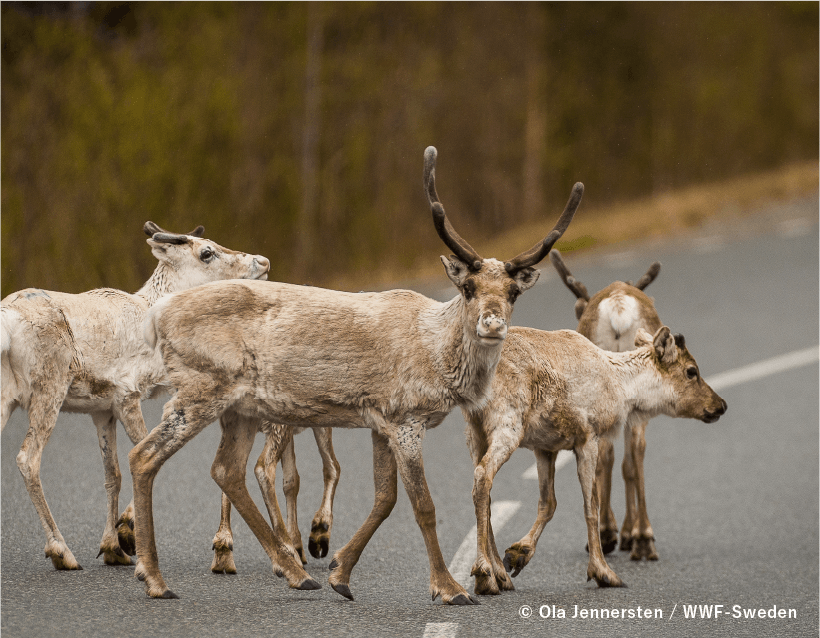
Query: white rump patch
[(618, 321)]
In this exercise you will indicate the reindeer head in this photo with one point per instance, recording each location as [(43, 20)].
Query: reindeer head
[(691, 395), (196, 261), (489, 287)]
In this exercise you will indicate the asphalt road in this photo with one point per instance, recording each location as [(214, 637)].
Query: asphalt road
[(734, 505)]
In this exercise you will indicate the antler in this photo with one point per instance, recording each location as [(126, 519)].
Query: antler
[(540, 250), (449, 236), (649, 277), (579, 289), (151, 229)]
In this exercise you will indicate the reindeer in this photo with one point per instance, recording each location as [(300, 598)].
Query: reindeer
[(558, 391), (85, 353), (610, 320), (395, 362)]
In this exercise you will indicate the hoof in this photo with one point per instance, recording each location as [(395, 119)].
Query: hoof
[(606, 581), (307, 585), (644, 548), (626, 543), (609, 541), (319, 541), (342, 589), (167, 595), (126, 538), (463, 599), (515, 561), (115, 557)]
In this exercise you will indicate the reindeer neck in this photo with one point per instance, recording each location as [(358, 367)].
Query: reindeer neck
[(162, 282), (465, 366), (643, 386)]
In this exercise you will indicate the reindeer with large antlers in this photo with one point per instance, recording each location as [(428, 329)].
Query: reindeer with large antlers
[(85, 353), (611, 319), (395, 362)]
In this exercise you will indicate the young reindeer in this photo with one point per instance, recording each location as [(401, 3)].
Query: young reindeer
[(558, 391), (395, 362), (85, 353), (611, 320)]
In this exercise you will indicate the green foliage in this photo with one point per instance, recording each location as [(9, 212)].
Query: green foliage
[(189, 113)]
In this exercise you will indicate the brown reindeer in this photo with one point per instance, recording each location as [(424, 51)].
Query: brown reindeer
[(558, 391), (395, 362), (610, 320), (85, 353)]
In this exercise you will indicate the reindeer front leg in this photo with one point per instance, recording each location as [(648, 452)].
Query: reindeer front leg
[(129, 412), (520, 554), (609, 524), (223, 562), (486, 570), (406, 443), (643, 538), (587, 458)]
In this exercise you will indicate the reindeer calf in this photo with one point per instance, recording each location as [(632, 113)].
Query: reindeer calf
[(558, 391)]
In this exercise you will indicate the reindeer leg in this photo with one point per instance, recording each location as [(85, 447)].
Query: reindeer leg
[(384, 480), (322, 524), (223, 541), (107, 435), (130, 414), (609, 524), (587, 458), (497, 453), (43, 412), (277, 439), (630, 477), (643, 543), (290, 485), (519, 554), (406, 443), (228, 471)]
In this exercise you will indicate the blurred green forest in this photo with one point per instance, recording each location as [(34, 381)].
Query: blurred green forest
[(296, 130)]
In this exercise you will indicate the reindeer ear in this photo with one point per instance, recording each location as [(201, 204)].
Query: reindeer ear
[(580, 306), (526, 278), (642, 338), (665, 347), (456, 270)]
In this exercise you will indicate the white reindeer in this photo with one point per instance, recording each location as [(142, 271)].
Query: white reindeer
[(85, 353), (395, 362), (558, 391), (611, 319)]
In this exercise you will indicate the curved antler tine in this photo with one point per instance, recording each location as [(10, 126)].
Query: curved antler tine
[(150, 229), (577, 288), (444, 228), (649, 277), (197, 232), (540, 250), (170, 238)]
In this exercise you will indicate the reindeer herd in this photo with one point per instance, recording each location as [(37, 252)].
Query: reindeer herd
[(261, 356)]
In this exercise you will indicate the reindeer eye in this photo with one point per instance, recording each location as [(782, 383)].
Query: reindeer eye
[(469, 289), (692, 373), (206, 255)]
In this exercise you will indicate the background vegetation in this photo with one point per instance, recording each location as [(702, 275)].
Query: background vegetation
[(296, 130)]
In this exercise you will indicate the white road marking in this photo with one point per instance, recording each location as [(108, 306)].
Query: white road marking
[(724, 380), (764, 368), (462, 563)]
